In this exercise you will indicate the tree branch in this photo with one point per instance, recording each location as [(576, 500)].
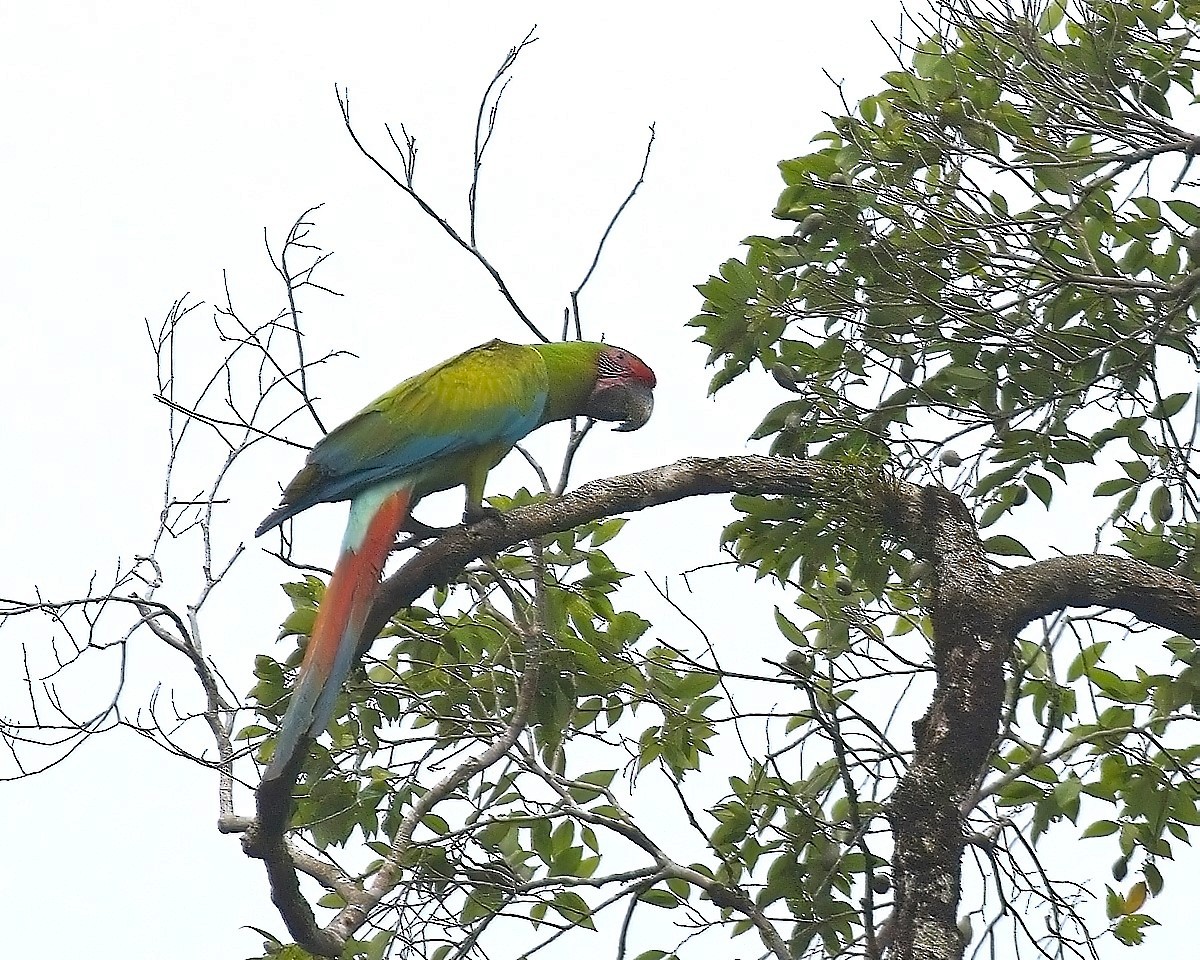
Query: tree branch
[(343, 97), (893, 501), (953, 739), (975, 614), (604, 237), (354, 915), (484, 137), (1151, 594)]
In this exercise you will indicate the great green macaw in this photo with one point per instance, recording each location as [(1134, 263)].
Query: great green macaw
[(447, 426)]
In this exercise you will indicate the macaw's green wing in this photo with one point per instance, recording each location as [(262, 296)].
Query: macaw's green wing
[(491, 395), (494, 393)]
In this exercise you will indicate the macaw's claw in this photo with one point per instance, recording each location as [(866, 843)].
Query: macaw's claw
[(474, 514), (422, 531)]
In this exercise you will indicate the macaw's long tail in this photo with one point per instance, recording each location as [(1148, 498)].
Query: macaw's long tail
[(375, 518)]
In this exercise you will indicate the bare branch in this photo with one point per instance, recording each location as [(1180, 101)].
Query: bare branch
[(343, 98), (604, 237), (573, 443), (216, 422), (483, 137), (296, 238)]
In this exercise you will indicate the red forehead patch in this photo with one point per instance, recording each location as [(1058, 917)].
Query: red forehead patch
[(629, 365), (641, 371)]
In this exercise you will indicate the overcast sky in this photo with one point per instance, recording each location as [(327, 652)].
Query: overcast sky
[(146, 146)]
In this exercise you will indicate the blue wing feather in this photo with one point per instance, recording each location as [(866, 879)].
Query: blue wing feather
[(492, 395), (348, 474)]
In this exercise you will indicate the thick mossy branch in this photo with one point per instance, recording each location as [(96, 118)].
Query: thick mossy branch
[(1151, 594), (975, 609), (954, 738)]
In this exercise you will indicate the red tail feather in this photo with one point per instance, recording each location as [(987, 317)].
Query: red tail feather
[(337, 628)]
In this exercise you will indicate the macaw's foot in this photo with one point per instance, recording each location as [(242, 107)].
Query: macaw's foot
[(474, 514), (421, 531)]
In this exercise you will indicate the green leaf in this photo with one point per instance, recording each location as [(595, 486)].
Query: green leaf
[(378, 944), (1088, 657), (1154, 99), (483, 901), (1186, 211), (562, 836), (792, 632), (298, 622), (1141, 444), (1161, 508), (694, 684), (1071, 451), (1005, 546), (573, 908), (660, 898), (969, 377), (607, 529), (1170, 405), (599, 779), (1040, 486), (1129, 930), (1110, 488), (1137, 470), (1018, 793), (1051, 17)]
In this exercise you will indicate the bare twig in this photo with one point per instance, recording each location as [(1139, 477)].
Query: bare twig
[(483, 136), (343, 97), (604, 237), (296, 238)]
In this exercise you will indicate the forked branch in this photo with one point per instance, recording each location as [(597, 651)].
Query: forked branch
[(932, 520)]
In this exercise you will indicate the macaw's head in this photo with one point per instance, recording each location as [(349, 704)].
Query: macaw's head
[(624, 389)]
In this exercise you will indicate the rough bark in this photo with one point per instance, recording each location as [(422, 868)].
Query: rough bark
[(1151, 594), (954, 737)]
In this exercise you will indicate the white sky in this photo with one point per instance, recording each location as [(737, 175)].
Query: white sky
[(145, 147)]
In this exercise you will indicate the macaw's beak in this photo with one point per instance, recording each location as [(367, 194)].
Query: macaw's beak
[(629, 401)]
